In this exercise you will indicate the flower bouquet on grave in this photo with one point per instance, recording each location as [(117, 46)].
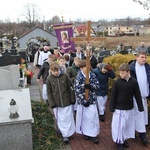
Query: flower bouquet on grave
[(22, 69), (28, 74)]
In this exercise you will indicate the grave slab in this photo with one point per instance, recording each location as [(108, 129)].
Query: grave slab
[(9, 77), (16, 134)]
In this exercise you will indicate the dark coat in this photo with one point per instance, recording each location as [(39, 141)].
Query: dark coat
[(93, 61), (122, 95), (72, 71), (133, 72), (60, 91), (103, 80), (44, 72)]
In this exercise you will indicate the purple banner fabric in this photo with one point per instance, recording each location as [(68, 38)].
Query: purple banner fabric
[(64, 32)]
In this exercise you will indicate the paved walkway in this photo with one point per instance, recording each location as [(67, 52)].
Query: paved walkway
[(77, 141)]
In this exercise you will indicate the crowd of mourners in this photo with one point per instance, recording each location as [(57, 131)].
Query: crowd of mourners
[(65, 88)]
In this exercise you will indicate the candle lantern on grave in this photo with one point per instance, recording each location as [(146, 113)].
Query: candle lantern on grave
[(13, 109)]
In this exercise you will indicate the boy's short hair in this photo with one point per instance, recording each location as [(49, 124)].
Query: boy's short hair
[(82, 63), (141, 53), (54, 58), (54, 66), (124, 67), (50, 56), (78, 45), (56, 48), (77, 58), (67, 57)]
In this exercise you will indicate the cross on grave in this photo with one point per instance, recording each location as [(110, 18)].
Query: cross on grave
[(88, 40)]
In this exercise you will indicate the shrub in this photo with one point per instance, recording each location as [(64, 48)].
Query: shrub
[(43, 130), (118, 59)]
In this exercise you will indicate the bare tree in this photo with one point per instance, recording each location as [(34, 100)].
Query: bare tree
[(144, 3), (31, 14)]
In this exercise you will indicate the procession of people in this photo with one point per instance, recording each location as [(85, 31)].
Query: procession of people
[(65, 87)]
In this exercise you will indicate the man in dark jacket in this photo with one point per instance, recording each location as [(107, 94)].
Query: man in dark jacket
[(140, 70)]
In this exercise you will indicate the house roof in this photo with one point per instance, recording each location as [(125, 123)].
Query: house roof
[(81, 28), (37, 27), (100, 29)]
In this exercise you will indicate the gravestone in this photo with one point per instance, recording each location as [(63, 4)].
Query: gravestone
[(148, 50), (9, 77), (104, 53), (100, 58), (127, 47), (16, 134), (123, 52), (9, 57)]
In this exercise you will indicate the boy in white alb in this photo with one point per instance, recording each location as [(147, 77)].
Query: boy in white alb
[(140, 70), (61, 97), (87, 120), (121, 104)]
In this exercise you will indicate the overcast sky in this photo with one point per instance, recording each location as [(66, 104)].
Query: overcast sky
[(93, 10)]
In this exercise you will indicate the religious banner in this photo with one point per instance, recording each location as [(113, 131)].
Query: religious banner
[(64, 32)]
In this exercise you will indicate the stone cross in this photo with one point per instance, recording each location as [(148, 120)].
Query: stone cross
[(88, 40)]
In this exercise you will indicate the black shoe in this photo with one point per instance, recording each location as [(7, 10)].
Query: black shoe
[(86, 137), (144, 141), (66, 140), (47, 103), (58, 133), (120, 147), (126, 144), (95, 140), (102, 118)]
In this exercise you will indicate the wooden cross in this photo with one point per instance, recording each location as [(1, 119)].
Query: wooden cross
[(88, 40)]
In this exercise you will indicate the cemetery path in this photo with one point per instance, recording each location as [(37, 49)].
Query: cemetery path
[(77, 142), (35, 88)]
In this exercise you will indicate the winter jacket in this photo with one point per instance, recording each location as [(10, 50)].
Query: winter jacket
[(103, 80), (122, 95), (133, 72), (60, 90), (72, 71), (44, 72), (80, 90)]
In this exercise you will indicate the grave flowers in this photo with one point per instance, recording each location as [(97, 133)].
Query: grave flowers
[(25, 73), (28, 74)]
